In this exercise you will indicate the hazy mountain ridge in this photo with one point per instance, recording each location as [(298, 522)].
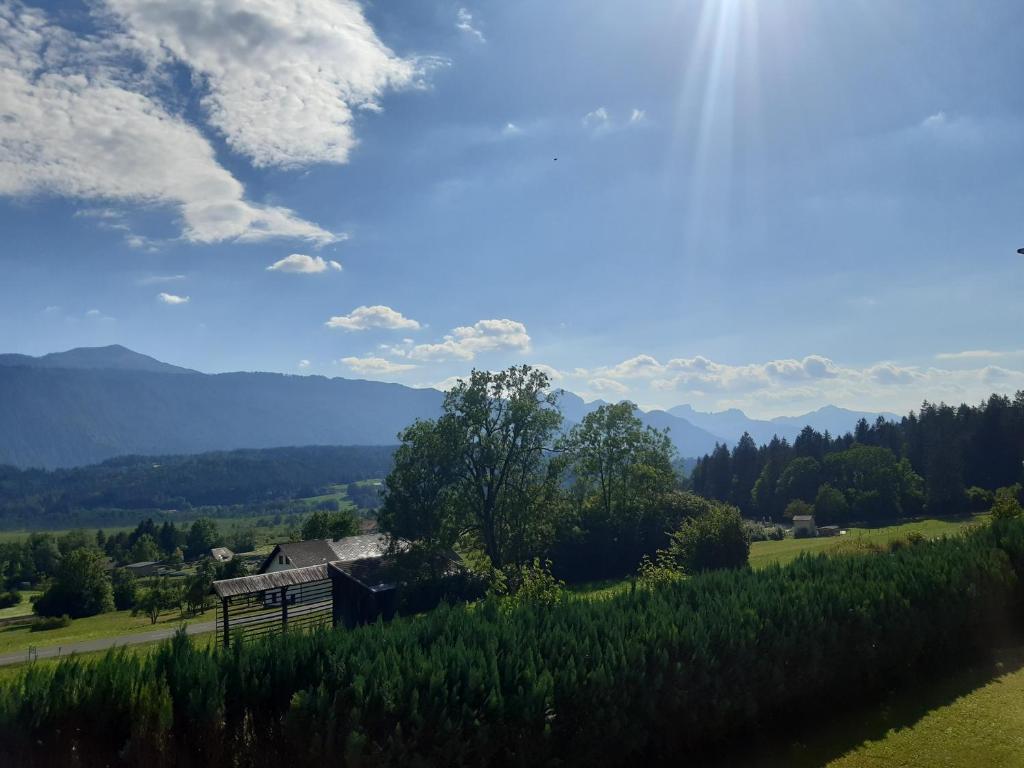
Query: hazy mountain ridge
[(90, 404), (731, 424)]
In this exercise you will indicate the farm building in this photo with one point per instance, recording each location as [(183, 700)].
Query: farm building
[(828, 530), (142, 569), (302, 554), (803, 525), (222, 554)]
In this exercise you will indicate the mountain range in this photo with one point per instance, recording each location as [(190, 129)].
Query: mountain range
[(93, 403)]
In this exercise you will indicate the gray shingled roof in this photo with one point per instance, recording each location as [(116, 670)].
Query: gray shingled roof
[(246, 585), (302, 554)]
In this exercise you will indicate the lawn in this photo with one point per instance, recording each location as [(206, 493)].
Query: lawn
[(972, 717), (24, 608), (113, 624), (764, 553), (983, 728)]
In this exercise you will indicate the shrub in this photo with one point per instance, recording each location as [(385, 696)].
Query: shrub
[(1006, 504), (80, 588), (710, 541), (755, 531), (979, 499), (530, 584), (8, 599), (50, 622)]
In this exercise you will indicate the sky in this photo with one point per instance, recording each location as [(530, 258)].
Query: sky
[(765, 205)]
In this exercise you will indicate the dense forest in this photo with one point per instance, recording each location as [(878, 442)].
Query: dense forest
[(91, 495), (942, 459), (685, 669)]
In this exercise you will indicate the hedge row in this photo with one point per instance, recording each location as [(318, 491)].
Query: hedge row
[(665, 675)]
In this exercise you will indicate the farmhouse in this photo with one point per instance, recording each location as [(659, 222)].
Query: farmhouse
[(302, 554), (803, 525)]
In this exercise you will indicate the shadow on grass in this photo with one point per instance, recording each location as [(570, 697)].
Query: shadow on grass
[(807, 744)]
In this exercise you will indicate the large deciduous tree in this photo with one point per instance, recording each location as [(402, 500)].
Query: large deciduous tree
[(484, 467)]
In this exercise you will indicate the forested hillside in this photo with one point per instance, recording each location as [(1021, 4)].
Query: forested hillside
[(943, 458), (52, 499)]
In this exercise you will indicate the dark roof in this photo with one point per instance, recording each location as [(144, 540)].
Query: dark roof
[(246, 585), (301, 554), (375, 574), (803, 518)]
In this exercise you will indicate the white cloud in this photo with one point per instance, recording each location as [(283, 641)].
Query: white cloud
[(979, 354), (637, 116), (282, 77), (466, 342), (932, 121), (510, 130), (552, 373), (172, 299), (304, 364), (301, 263), (158, 279), (378, 316), (93, 313), (464, 22), (597, 119), (377, 365), (79, 121), (608, 386)]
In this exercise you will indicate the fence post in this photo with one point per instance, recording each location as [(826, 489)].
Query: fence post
[(227, 630), (284, 609)]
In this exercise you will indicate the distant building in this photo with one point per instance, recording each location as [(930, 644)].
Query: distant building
[(222, 554), (803, 525), (302, 554), (143, 569), (828, 530)]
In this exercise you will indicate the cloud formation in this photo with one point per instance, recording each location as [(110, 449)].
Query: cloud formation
[(464, 22), (304, 264), (172, 299), (84, 116), (466, 342), (378, 365), (377, 316), (283, 85)]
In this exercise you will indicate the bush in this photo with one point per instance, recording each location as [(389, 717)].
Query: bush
[(710, 541), (755, 531), (678, 672), (530, 584), (50, 622), (1007, 504), (979, 499), (9, 599)]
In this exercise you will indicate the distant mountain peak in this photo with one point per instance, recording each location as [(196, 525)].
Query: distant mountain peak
[(113, 356)]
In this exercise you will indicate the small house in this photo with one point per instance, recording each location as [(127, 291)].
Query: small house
[(222, 554), (142, 569), (302, 554), (803, 526)]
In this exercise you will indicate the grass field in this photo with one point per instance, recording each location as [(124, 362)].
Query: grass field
[(113, 624), (24, 608), (973, 717), (763, 553)]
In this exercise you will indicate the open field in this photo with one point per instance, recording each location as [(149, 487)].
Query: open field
[(764, 553), (113, 624), (24, 608)]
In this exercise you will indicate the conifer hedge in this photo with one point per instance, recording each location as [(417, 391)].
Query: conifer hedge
[(661, 675)]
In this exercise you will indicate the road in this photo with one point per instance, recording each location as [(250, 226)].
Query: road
[(103, 643)]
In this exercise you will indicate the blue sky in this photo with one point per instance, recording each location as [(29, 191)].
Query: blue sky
[(765, 205)]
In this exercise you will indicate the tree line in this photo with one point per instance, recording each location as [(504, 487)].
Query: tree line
[(943, 460)]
